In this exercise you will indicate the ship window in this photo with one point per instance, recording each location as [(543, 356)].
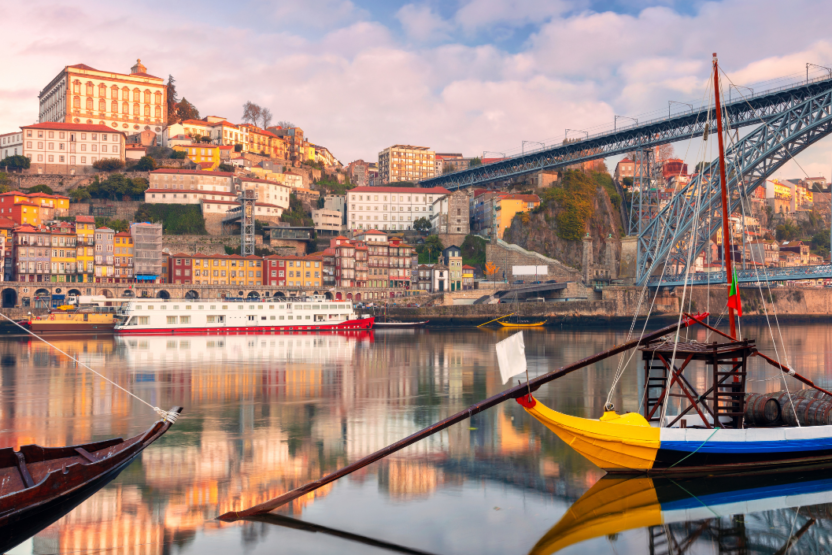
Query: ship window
[(280, 307), (162, 307), (271, 307), (281, 317), (171, 319), (211, 319), (263, 318), (273, 318), (86, 317), (184, 319), (251, 307), (187, 307), (240, 307), (308, 307), (213, 307), (143, 320), (225, 307), (176, 307), (308, 317), (251, 318), (260, 307), (171, 344), (291, 317)]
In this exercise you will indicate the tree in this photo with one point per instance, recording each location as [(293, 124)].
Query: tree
[(185, 110), (179, 155), (16, 162), (45, 189), (205, 139), (422, 225), (664, 153), (787, 231), (321, 202), (476, 161), (80, 194), (238, 147), (226, 168), (146, 164), (116, 225), (433, 244), (491, 270), (173, 99), (700, 167), (285, 124), (627, 182), (108, 164), (251, 112)]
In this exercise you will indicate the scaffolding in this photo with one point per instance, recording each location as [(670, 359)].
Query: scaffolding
[(247, 199), (147, 250)]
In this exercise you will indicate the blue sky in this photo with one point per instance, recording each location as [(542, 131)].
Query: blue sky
[(458, 76)]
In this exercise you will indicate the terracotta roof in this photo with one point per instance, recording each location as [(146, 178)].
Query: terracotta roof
[(195, 191), (6, 223), (85, 219), (105, 229), (123, 234), (467, 267), (431, 190), (15, 193), (193, 122), (195, 172), (372, 232), (59, 126), (234, 202), (257, 180), (44, 195), (206, 165), (26, 203)]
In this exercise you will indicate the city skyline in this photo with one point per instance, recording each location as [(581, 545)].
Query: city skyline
[(478, 75)]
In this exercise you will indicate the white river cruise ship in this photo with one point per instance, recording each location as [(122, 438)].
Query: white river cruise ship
[(166, 317)]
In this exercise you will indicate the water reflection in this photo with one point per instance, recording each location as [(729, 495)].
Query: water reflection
[(265, 414)]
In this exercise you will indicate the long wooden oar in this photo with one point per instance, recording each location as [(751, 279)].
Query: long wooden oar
[(782, 367), (512, 393), (495, 319)]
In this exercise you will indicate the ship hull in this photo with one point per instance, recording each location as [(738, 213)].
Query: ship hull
[(350, 325), (70, 327)]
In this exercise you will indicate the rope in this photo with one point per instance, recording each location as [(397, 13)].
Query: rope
[(716, 429), (165, 415)]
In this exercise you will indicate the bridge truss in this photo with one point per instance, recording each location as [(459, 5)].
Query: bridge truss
[(749, 162), (752, 110)]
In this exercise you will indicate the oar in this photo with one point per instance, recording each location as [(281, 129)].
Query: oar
[(782, 367), (495, 319), (512, 393)]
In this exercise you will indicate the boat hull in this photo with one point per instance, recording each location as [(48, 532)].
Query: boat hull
[(349, 325), (531, 325), (69, 327), (389, 325), (628, 445)]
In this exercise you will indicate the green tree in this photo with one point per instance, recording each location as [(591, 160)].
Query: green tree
[(430, 251), (116, 187), (321, 202), (422, 225), (476, 161), (16, 162), (108, 164), (627, 181), (146, 164), (176, 219), (179, 155), (296, 216), (45, 189), (238, 147), (787, 231), (185, 110), (820, 243), (116, 225), (173, 100), (473, 251), (81, 194), (225, 168), (700, 166)]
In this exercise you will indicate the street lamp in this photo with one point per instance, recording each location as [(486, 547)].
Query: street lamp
[(669, 102), (566, 133), (738, 87), (523, 146), (484, 152), (616, 118), (816, 65)]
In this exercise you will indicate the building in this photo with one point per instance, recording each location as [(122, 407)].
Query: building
[(294, 142), (63, 259), (85, 250), (447, 162), (626, 168), (399, 263), (168, 186), (32, 253), (327, 221), (406, 163), (451, 214), (181, 268), (128, 103), (390, 208), (135, 152), (7, 236), (467, 277), (65, 147), (799, 248), (452, 259), (268, 192), (506, 206), (358, 172), (123, 257), (206, 156), (146, 241), (104, 255), (11, 144)]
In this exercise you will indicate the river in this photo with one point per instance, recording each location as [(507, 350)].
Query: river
[(265, 414)]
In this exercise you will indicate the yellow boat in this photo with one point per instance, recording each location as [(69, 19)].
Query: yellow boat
[(522, 324), (73, 321)]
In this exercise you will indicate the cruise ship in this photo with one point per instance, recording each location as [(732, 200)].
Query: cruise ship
[(221, 316)]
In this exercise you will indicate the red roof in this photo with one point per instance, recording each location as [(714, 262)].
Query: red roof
[(205, 165), (85, 219), (256, 180), (431, 190), (6, 223), (194, 122), (26, 203), (467, 267), (123, 234), (372, 232), (59, 126), (44, 195), (86, 67), (195, 172), (196, 191)]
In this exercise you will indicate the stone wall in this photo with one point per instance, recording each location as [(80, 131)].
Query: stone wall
[(449, 239), (504, 256), (203, 244)]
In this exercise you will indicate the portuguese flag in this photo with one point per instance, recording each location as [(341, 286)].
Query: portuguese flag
[(734, 296)]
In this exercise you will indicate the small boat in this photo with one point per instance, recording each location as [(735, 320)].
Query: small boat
[(399, 324), (39, 485), (522, 323), (67, 321), (616, 504)]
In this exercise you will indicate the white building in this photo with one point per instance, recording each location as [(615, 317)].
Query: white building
[(221, 207), (390, 208), (55, 147), (126, 102), (189, 186), (406, 163), (11, 144), (268, 192), (327, 220)]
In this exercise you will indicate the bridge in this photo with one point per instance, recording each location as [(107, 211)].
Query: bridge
[(753, 276), (760, 107)]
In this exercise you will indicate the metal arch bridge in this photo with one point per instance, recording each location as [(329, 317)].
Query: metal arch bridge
[(751, 110), (667, 237), (753, 276)]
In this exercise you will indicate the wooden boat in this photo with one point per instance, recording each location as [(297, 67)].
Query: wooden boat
[(522, 324), (65, 321), (398, 324), (616, 504), (39, 485)]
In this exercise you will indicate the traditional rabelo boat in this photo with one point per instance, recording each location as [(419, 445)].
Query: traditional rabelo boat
[(396, 324), (720, 428), (522, 323)]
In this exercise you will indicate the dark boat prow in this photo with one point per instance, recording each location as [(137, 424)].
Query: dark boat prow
[(39, 485)]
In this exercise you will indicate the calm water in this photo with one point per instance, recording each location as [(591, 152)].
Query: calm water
[(265, 414)]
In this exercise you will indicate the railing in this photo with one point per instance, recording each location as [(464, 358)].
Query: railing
[(746, 276)]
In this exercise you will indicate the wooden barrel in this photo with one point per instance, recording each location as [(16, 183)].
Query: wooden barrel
[(812, 394), (810, 412), (761, 410)]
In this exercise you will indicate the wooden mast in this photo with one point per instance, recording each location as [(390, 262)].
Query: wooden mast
[(727, 251)]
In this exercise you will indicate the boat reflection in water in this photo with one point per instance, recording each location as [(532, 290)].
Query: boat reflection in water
[(765, 513)]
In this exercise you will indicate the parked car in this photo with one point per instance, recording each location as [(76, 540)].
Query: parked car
[(519, 282), (552, 281), (535, 300)]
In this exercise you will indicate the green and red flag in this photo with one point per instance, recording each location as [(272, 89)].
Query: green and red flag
[(734, 296)]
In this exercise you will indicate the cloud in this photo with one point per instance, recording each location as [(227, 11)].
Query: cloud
[(481, 15), (422, 24)]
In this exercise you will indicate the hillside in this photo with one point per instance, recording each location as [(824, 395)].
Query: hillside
[(581, 202)]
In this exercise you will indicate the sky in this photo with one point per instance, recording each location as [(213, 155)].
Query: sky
[(468, 76)]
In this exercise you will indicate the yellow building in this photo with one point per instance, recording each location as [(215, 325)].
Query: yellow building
[(246, 271), (85, 246), (58, 203), (206, 155), (306, 271), (211, 269), (505, 207), (123, 245), (63, 254)]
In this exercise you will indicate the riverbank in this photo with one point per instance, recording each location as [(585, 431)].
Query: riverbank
[(615, 306)]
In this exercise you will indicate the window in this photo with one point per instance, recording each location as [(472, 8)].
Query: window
[(184, 319)]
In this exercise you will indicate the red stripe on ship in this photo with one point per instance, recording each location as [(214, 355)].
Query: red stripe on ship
[(356, 325)]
